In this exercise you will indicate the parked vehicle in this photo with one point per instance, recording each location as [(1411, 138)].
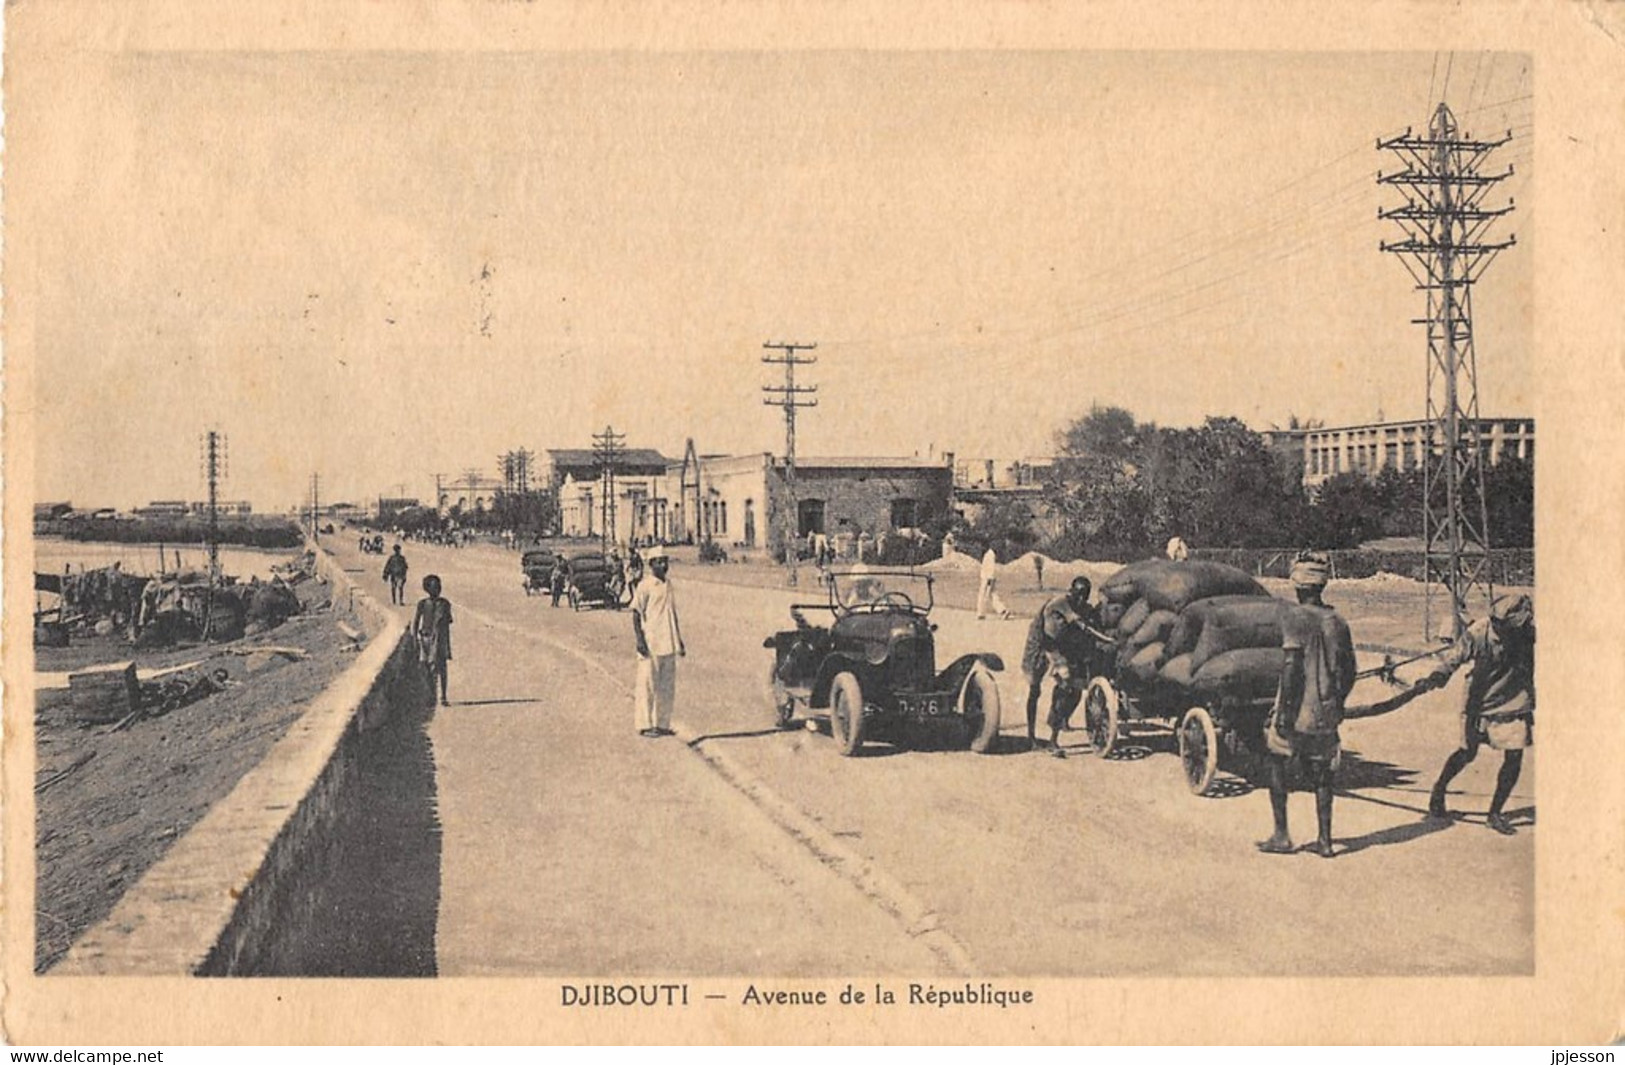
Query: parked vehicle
[(873, 672), (595, 581), (537, 565)]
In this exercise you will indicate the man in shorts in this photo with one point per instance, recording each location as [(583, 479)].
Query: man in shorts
[(1059, 645), (1500, 705), (1316, 678)]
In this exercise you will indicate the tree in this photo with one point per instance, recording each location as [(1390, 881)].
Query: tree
[(1348, 511), (1245, 500), (1106, 437), (1099, 491), (526, 513), (1509, 490)]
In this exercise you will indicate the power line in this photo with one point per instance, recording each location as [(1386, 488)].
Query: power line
[(1203, 243), (790, 397)]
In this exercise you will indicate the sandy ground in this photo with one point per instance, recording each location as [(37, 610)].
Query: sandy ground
[(571, 845), (104, 825)]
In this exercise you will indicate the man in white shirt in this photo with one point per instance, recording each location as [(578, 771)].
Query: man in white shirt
[(659, 645), (989, 593)]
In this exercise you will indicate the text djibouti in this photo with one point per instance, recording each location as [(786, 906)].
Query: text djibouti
[(624, 995)]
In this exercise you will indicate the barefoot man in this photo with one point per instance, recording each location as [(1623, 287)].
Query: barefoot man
[(1315, 680)]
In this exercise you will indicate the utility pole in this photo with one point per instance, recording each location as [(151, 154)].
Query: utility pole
[(212, 448), (1444, 223), (213, 456), (522, 459), (791, 397), (608, 447), (315, 507)]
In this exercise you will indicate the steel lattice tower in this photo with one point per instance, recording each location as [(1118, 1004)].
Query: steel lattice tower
[(1444, 224)]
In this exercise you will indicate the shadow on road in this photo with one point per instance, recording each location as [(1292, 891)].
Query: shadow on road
[(1395, 834), (1133, 752), (1229, 787), (1356, 773)]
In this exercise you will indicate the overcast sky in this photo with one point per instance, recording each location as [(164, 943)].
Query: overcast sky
[(383, 266)]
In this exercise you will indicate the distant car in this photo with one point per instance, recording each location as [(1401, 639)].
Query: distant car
[(873, 669), (595, 580), (537, 565)]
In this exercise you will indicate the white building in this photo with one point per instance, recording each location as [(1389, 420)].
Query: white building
[(1326, 452)]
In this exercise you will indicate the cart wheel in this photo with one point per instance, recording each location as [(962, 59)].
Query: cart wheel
[(846, 713), (1100, 708), (979, 706), (1198, 749), (784, 707)]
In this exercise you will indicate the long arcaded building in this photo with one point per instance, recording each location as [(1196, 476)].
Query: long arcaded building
[(1326, 452)]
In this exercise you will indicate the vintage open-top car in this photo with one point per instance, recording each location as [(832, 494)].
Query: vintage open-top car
[(873, 668)]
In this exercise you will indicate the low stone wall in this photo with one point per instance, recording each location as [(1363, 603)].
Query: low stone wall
[(242, 892), (1506, 566)]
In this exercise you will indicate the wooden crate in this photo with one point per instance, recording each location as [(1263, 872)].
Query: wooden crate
[(104, 695)]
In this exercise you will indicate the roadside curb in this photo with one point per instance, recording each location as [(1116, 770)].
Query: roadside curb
[(918, 920)]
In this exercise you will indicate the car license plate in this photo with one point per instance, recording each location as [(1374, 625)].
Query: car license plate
[(927, 705)]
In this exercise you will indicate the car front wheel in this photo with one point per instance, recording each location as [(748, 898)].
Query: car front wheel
[(846, 713)]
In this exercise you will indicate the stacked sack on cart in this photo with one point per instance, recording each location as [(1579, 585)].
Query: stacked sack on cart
[(1193, 628)]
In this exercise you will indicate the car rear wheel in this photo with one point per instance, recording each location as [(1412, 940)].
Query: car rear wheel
[(979, 706), (846, 713)]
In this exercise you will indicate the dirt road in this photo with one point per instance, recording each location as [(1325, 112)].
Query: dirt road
[(572, 845)]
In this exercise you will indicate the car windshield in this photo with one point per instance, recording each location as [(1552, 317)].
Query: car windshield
[(865, 589)]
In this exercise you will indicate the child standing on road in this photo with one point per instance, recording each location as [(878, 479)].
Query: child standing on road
[(431, 627)]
